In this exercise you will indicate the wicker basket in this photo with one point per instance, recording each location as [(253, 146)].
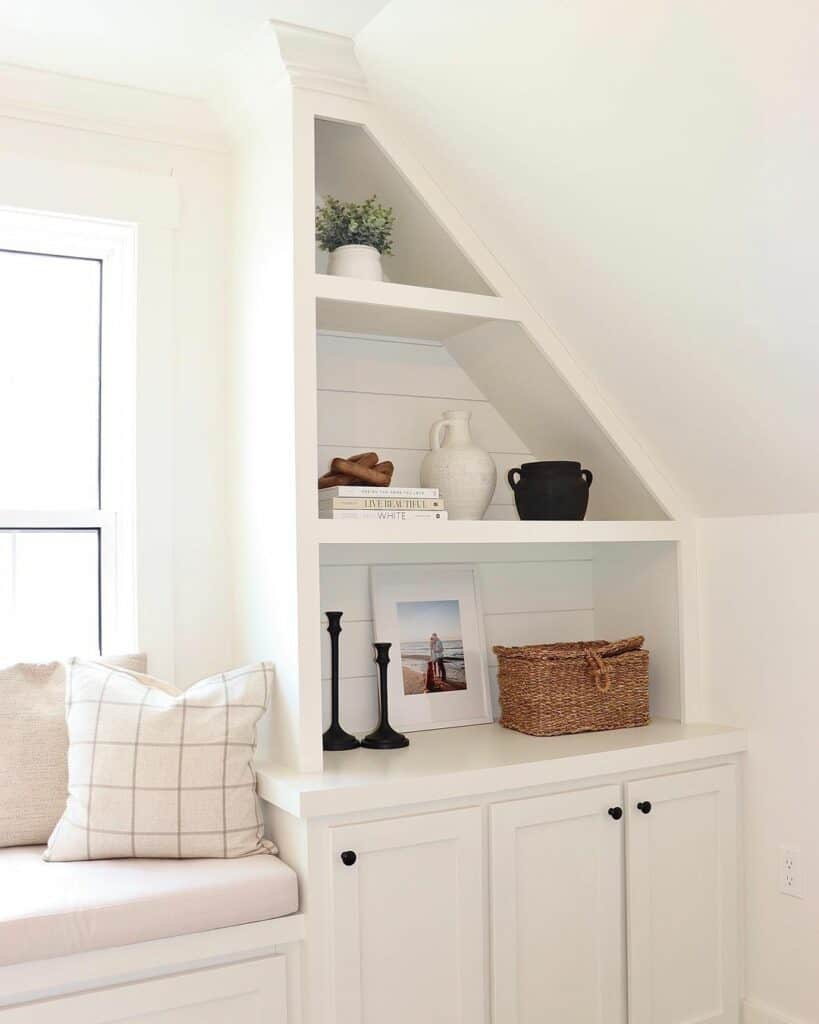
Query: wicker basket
[(554, 689)]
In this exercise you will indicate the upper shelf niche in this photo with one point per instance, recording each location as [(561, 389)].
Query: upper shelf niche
[(351, 166)]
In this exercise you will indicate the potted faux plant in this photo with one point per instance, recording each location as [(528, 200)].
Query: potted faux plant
[(356, 235)]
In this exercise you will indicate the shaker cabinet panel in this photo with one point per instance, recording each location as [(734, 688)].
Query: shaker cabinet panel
[(682, 898), (408, 921), (558, 920)]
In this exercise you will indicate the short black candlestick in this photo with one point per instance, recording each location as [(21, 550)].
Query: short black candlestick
[(336, 738), (384, 737)]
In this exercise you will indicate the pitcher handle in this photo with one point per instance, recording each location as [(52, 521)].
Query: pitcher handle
[(510, 475), (587, 476), (435, 433)]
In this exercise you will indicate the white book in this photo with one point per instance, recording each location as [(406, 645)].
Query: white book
[(372, 504), (378, 492), (388, 515)]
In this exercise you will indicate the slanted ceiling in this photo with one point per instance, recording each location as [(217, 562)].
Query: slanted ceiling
[(646, 173)]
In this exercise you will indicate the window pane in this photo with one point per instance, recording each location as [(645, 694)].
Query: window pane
[(49, 586), (49, 381)]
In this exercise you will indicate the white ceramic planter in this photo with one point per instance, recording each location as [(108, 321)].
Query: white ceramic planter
[(464, 473), (356, 261)]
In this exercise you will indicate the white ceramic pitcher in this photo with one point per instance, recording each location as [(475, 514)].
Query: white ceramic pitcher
[(464, 473)]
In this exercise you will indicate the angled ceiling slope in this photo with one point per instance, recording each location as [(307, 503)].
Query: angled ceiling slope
[(647, 175)]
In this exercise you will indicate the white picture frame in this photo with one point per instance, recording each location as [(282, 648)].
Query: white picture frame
[(407, 602)]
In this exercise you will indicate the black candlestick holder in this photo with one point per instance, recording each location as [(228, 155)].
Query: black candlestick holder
[(336, 738), (384, 737)]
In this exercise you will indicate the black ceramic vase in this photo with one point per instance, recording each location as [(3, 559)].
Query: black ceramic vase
[(384, 737), (551, 490), (336, 738)]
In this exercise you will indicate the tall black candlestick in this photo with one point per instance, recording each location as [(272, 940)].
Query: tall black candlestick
[(336, 738), (384, 737)]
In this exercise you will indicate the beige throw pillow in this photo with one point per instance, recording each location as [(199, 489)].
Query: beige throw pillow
[(34, 749), (157, 773)]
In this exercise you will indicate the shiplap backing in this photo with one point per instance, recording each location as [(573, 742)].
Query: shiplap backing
[(540, 601), (384, 395)]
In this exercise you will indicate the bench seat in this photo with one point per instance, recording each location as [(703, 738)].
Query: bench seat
[(51, 910)]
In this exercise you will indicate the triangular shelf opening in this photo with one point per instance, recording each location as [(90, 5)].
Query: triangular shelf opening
[(381, 394), (351, 166)]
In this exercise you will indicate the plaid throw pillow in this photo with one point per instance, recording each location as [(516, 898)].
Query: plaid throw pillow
[(153, 772)]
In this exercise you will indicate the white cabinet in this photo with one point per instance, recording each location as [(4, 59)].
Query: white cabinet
[(615, 904), (408, 924), (682, 898), (558, 926), (562, 895)]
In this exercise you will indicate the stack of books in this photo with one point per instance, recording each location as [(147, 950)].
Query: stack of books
[(395, 504)]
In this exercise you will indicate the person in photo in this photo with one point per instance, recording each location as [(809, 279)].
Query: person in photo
[(436, 656)]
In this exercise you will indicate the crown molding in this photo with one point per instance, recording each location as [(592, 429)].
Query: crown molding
[(254, 79), (43, 97), (322, 61)]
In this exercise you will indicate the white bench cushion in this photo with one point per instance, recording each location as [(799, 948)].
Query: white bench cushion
[(49, 910)]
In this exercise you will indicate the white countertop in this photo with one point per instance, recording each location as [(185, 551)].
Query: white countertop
[(447, 763)]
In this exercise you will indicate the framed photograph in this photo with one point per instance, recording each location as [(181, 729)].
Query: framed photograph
[(431, 614)]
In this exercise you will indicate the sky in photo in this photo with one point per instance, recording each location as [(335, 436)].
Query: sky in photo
[(418, 619)]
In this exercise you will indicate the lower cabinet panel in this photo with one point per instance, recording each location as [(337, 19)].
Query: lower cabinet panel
[(407, 920), (682, 898), (558, 925), (253, 993)]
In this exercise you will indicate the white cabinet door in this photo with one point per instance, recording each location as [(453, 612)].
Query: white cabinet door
[(682, 898), (558, 919), (408, 920)]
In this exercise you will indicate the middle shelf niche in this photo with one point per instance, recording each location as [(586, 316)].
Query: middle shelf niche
[(381, 393)]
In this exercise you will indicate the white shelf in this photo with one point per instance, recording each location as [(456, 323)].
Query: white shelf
[(351, 531), (450, 763), (399, 310)]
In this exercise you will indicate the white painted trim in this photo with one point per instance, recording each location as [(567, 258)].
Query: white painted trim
[(43, 97), (44, 979), (757, 1013), (128, 221), (324, 61), (77, 189)]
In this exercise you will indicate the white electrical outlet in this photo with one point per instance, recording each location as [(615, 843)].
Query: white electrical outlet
[(790, 871)]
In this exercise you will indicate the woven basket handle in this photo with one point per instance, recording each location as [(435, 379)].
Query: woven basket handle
[(632, 643), (600, 671), (597, 660)]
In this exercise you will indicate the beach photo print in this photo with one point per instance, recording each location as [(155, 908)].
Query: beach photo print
[(432, 650), (431, 615)]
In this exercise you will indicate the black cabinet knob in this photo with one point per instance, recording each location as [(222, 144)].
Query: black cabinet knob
[(616, 813), (348, 858), (644, 806)]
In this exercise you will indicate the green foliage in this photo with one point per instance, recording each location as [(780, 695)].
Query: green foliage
[(366, 223)]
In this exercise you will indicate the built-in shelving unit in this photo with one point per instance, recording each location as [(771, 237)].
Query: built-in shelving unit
[(343, 365), (325, 366)]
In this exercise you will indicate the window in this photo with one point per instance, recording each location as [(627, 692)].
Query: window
[(66, 437)]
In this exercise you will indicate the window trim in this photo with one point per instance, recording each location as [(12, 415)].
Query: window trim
[(115, 246)]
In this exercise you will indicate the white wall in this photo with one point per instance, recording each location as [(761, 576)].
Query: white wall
[(646, 174), (760, 623), (185, 608)]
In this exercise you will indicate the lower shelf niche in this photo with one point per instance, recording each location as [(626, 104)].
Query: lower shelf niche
[(528, 594)]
